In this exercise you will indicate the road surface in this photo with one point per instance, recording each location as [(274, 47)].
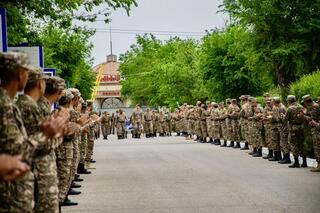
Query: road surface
[(172, 175)]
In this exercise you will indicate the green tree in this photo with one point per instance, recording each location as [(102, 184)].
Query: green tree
[(284, 32), (160, 74), (230, 65)]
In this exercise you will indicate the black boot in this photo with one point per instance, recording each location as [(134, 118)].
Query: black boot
[(68, 202), (218, 142), (296, 163), (237, 145), (224, 143), (304, 162), (211, 141), (270, 154), (73, 192), (258, 153), (246, 146), (75, 186), (82, 169), (77, 179), (286, 159), (204, 140), (231, 144), (276, 156), (254, 151)]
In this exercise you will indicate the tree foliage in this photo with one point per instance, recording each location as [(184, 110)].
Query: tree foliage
[(160, 73), (284, 32)]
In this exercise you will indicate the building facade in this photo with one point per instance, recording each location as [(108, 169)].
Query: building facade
[(107, 92)]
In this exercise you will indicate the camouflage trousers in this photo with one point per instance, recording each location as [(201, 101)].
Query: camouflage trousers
[(64, 154), (274, 143), (148, 127), (105, 129), (268, 136), (83, 147), (120, 129), (46, 183), (296, 136), (256, 136), (197, 128), (235, 130), (223, 132), (244, 129), (190, 128), (284, 143), (216, 130), (89, 150), (17, 196), (316, 142), (76, 157), (209, 127), (162, 127), (169, 126), (137, 127), (229, 130), (204, 133)]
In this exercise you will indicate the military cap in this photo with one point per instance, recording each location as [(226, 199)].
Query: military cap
[(291, 98), (185, 104), (55, 82), (306, 98), (277, 100), (14, 60), (228, 100), (266, 94), (221, 103), (75, 92), (254, 100), (36, 74), (233, 100), (318, 100), (242, 97), (250, 99), (67, 94), (268, 100), (214, 104), (198, 102)]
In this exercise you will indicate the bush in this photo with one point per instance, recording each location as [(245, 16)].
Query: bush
[(308, 84)]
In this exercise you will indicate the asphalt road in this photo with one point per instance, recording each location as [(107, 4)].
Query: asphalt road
[(172, 175)]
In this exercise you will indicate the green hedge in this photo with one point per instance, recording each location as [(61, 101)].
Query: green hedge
[(308, 84)]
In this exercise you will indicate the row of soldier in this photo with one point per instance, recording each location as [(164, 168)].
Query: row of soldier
[(277, 127), (44, 150)]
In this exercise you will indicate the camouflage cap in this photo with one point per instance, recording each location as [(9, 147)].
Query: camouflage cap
[(254, 100), (242, 97), (67, 94), (221, 103), (234, 100), (318, 100), (14, 60), (36, 74), (277, 100), (266, 94), (214, 104), (250, 99), (75, 92), (228, 100), (268, 100), (56, 82), (306, 98), (291, 98), (81, 100)]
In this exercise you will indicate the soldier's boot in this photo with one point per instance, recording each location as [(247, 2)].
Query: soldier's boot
[(204, 140), (231, 144), (237, 145), (92, 161), (82, 169), (304, 162), (254, 151), (178, 133), (270, 154), (73, 192), (258, 153), (317, 169), (217, 142), (200, 139), (224, 143), (246, 146), (295, 164), (67, 202), (170, 134), (286, 159), (77, 178), (74, 185), (211, 141), (276, 156)]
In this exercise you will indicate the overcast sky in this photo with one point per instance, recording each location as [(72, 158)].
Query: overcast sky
[(156, 15)]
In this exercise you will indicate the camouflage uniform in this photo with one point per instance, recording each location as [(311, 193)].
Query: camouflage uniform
[(191, 120), (198, 130), (256, 129), (209, 122), (204, 115), (74, 116), (234, 115), (148, 127), (267, 126), (120, 124), (169, 122), (216, 116), (105, 126), (223, 116), (137, 119)]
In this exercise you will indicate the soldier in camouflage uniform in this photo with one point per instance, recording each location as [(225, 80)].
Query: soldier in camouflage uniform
[(105, 125), (155, 122), (295, 118), (137, 120), (209, 122), (191, 120), (234, 116), (91, 136), (169, 122), (18, 195), (203, 118), (313, 119), (256, 128), (148, 128), (120, 120), (223, 124), (197, 126), (228, 122), (267, 125), (216, 123), (243, 119)]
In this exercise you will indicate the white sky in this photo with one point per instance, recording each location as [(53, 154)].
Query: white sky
[(156, 15)]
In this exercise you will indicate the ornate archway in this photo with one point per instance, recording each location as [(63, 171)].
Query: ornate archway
[(111, 103)]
